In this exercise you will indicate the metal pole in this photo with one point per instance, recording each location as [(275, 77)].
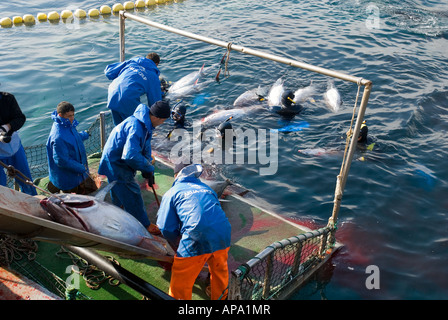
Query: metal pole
[(121, 274), (102, 129), (342, 177), (122, 40), (242, 49)]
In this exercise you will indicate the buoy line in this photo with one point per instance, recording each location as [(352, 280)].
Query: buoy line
[(68, 15)]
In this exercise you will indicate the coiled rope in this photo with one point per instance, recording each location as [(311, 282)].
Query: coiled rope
[(12, 249), (93, 276)]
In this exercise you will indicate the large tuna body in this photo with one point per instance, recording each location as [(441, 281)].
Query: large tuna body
[(90, 214)]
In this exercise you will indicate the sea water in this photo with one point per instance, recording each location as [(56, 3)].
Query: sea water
[(394, 208)]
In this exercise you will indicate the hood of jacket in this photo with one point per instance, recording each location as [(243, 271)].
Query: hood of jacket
[(63, 121), (148, 64), (142, 114)]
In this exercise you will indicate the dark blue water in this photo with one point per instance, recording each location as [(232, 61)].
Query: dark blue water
[(394, 209)]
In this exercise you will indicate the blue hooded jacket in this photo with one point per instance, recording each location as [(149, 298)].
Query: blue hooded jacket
[(128, 147), (190, 213), (131, 79), (67, 159)]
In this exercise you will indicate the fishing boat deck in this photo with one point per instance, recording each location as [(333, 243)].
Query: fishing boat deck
[(253, 229)]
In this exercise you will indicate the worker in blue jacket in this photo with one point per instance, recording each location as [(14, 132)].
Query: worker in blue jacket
[(127, 150), (66, 154), (132, 79), (12, 152), (190, 217)]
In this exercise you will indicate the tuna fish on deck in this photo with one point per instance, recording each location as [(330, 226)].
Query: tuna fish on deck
[(94, 215)]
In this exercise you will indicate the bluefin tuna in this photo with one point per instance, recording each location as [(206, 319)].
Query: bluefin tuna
[(303, 94), (276, 93), (318, 151), (93, 214), (187, 90), (190, 82), (222, 115), (332, 97), (249, 98)]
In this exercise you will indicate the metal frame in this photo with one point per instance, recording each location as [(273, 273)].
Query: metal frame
[(342, 178), (345, 166), (297, 277)]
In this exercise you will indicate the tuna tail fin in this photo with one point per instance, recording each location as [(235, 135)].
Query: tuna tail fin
[(101, 194), (201, 71)]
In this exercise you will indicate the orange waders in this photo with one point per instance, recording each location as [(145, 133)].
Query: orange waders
[(185, 271)]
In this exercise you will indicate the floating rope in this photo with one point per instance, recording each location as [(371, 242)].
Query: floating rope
[(225, 60), (229, 48)]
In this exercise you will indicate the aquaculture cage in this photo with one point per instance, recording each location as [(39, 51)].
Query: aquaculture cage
[(282, 267), (277, 271)]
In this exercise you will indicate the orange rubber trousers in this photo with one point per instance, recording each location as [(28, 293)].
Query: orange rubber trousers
[(185, 271)]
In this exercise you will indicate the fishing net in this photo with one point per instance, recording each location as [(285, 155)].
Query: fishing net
[(282, 265)]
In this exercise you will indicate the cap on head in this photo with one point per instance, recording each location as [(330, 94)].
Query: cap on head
[(160, 109), (188, 170)]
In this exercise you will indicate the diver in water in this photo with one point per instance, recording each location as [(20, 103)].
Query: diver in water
[(365, 143), (362, 138), (224, 129), (289, 107), (164, 86), (178, 115)]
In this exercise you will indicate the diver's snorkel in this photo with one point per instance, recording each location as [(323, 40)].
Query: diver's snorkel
[(288, 99)]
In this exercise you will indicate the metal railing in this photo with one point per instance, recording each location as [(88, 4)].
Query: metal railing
[(282, 267)]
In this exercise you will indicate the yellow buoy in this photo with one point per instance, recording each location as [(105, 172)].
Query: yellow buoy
[(41, 16), (94, 13), (117, 7), (28, 19), (140, 4), (65, 14), (80, 14), (105, 9), (150, 2), (17, 20), (160, 1), (53, 16), (6, 22), (128, 5)]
